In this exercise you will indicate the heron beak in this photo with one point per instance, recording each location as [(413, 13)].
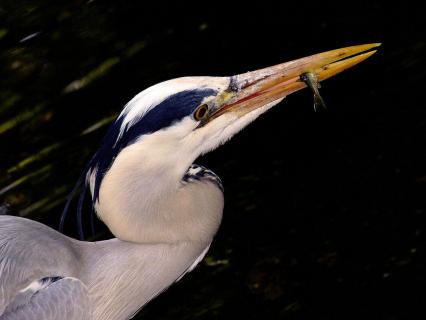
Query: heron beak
[(255, 89)]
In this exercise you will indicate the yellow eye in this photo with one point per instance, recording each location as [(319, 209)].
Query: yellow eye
[(201, 112)]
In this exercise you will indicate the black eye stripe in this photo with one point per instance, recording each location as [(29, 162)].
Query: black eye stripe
[(172, 109)]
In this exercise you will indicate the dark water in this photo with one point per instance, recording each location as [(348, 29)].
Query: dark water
[(325, 212)]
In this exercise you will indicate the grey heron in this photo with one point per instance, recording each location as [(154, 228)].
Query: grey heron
[(162, 209)]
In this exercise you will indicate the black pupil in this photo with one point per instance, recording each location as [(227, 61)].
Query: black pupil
[(201, 112)]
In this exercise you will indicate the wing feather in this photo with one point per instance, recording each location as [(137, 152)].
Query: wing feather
[(65, 299)]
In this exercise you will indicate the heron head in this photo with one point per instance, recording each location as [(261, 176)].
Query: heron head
[(140, 167), (167, 126)]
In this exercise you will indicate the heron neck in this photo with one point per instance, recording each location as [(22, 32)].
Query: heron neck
[(137, 207)]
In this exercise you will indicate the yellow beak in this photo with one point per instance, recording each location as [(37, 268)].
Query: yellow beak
[(255, 89)]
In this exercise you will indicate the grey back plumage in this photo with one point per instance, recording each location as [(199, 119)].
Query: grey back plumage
[(46, 275), (31, 251), (63, 299)]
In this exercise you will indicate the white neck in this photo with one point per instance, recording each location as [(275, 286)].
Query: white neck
[(163, 229), (137, 208)]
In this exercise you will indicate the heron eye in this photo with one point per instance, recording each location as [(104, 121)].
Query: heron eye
[(201, 112)]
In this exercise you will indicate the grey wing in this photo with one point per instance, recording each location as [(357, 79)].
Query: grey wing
[(66, 299), (31, 252)]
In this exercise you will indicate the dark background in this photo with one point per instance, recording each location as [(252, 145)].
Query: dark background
[(325, 212)]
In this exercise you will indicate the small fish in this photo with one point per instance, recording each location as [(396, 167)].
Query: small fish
[(312, 82)]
